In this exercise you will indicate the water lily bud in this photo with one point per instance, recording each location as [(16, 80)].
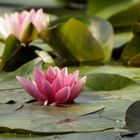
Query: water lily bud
[(54, 87)]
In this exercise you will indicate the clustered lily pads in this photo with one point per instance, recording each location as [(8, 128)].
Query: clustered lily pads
[(45, 46)]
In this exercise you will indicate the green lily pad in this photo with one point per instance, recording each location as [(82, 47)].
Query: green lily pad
[(6, 109), (48, 122), (75, 48), (132, 117), (115, 109), (104, 81), (12, 94), (74, 136), (77, 44), (130, 72), (96, 26)]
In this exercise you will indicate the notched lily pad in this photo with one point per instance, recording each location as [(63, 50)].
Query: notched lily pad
[(105, 81)]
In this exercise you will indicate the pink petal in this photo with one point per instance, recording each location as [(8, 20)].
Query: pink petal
[(43, 85), (71, 79), (30, 89), (57, 84), (9, 24), (47, 91), (64, 72), (2, 29), (56, 70), (76, 89), (37, 19), (15, 24), (75, 74), (38, 76), (50, 75), (62, 95), (39, 13)]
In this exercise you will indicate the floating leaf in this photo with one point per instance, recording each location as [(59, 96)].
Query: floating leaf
[(104, 81), (133, 117), (132, 73), (48, 122), (6, 109)]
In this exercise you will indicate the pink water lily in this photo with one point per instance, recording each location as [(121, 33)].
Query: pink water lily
[(54, 87), (19, 24)]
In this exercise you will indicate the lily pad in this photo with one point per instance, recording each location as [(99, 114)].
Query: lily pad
[(74, 136), (130, 72), (81, 48), (77, 44), (47, 122), (132, 117), (104, 81), (13, 95)]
